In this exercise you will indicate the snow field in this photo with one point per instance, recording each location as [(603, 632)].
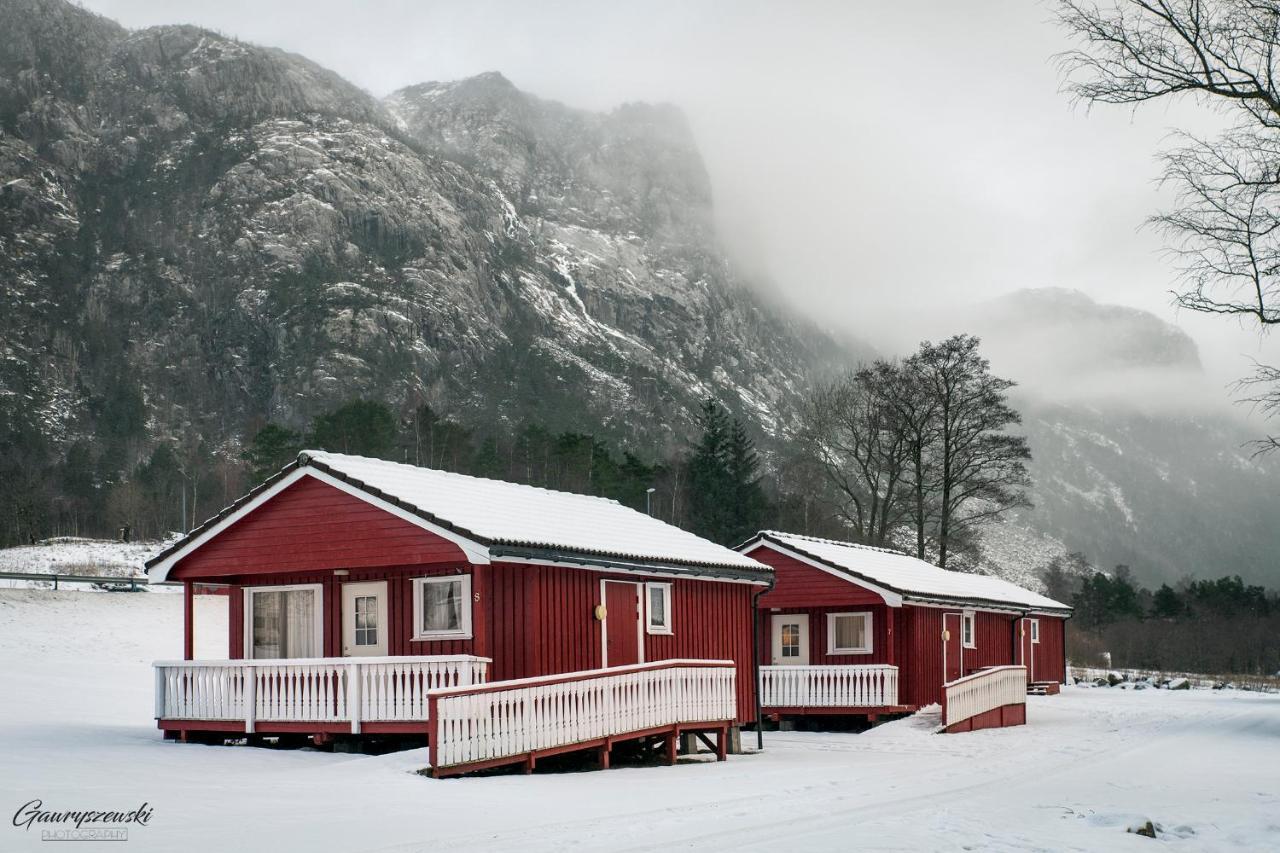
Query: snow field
[(76, 731)]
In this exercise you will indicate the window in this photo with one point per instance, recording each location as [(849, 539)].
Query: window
[(283, 622), (790, 640), (658, 602), (849, 633), (442, 608), (1035, 630), (966, 630), (366, 620)]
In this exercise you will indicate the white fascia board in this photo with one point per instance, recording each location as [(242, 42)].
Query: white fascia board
[(587, 566), (474, 551), (890, 597)]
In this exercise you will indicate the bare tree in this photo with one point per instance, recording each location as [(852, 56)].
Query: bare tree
[(855, 437), (915, 408), (1225, 230), (981, 468)]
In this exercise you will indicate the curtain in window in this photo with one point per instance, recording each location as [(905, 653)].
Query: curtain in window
[(851, 632), (442, 606), (657, 607), (284, 624)]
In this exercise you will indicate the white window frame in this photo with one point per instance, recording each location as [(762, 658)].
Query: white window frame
[(251, 591), (969, 629), (464, 631), (1035, 630), (832, 649), (665, 627)]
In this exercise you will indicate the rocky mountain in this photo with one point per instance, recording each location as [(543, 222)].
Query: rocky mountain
[(216, 233), (1127, 469), (199, 235)]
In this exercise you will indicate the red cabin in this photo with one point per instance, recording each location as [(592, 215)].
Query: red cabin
[(371, 597), (850, 629)]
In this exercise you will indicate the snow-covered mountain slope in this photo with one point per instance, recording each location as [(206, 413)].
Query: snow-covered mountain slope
[(232, 233), (1130, 466)]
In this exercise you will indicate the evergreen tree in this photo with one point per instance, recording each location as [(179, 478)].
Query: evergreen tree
[(710, 484), (361, 427), (750, 505), (271, 448), (1166, 603)]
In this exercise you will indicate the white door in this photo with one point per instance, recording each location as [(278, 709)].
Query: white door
[(364, 619), (790, 639)]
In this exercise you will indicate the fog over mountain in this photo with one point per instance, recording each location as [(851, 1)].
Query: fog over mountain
[(600, 224)]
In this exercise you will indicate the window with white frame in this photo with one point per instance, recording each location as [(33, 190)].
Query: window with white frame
[(1035, 630), (966, 630), (442, 608), (849, 633), (283, 622), (658, 608)]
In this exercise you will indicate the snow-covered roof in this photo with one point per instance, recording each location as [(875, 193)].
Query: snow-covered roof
[(501, 520), (907, 576)]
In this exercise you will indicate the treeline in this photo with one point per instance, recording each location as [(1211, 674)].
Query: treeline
[(914, 454), (1210, 626)]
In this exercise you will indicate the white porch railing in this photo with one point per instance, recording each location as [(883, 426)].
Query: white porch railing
[(984, 690), (524, 716), (829, 686), (354, 690)]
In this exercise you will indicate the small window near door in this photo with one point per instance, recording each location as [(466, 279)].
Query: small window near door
[(366, 620), (442, 608), (790, 640), (966, 630), (658, 604), (284, 622), (1035, 630), (849, 633)]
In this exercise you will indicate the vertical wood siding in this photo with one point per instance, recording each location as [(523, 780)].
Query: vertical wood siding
[(1049, 662), (312, 525)]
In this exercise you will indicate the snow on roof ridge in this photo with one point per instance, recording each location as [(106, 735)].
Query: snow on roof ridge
[(842, 543), (308, 454)]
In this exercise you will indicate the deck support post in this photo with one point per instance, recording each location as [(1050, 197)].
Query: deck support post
[(602, 755), (188, 621), (689, 743), (670, 743), (722, 742), (527, 765), (735, 740)]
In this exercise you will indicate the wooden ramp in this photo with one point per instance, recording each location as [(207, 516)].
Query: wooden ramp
[(520, 721), (989, 698)]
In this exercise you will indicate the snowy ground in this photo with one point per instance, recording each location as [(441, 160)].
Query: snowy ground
[(73, 556), (76, 732)]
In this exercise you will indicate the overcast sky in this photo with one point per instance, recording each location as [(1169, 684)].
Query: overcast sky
[(874, 158)]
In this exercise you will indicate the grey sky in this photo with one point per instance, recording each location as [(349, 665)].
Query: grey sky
[(876, 159)]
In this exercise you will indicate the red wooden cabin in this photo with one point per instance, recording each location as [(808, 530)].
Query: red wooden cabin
[(849, 629), (363, 591)]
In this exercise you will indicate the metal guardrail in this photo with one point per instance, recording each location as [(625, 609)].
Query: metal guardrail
[(133, 583)]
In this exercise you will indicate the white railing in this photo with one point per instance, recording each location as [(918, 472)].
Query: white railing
[(328, 690), (514, 718), (829, 686), (984, 690)]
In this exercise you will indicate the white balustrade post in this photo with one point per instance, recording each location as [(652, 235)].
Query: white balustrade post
[(353, 696), (160, 677), (466, 671), (250, 700)]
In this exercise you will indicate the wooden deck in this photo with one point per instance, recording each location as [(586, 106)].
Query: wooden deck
[(470, 724)]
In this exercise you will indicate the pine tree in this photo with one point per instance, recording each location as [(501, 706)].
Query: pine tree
[(271, 448)]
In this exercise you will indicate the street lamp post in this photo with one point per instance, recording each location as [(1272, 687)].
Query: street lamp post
[(648, 500)]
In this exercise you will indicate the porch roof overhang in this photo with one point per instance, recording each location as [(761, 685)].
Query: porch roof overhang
[(478, 549)]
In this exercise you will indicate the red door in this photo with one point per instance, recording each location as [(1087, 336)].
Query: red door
[(1026, 648), (952, 664), (621, 623)]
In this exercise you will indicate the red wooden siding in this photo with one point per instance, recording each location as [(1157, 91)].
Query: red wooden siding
[(400, 627), (799, 585), (885, 647), (312, 525), (1049, 659), (538, 620), (548, 624)]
